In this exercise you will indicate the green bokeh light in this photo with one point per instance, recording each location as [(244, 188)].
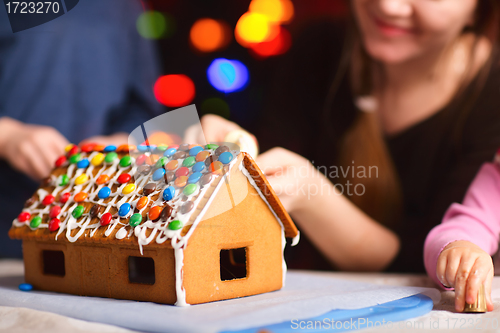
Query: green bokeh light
[(154, 25), (216, 106)]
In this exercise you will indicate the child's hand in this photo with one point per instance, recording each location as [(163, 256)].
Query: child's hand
[(464, 266)]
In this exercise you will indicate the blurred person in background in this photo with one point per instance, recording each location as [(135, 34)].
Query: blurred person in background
[(87, 75), (406, 90)]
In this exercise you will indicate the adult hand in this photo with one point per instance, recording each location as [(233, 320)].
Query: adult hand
[(31, 149), (465, 266), (213, 129)]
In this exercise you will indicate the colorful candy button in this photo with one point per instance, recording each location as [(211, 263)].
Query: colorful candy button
[(169, 152), (143, 148), (25, 287), (169, 176), (135, 220), (221, 149), (202, 156), (190, 189), (80, 197), (24, 216), (64, 197), (152, 159), (109, 149), (49, 199), (142, 203), (104, 193), (97, 159), (144, 169), (73, 150), (172, 165), (226, 157), (103, 179), (35, 222), (125, 161), (175, 225), (141, 159), (83, 163), (105, 219), (128, 189), (54, 224), (55, 211), (94, 211), (211, 146), (124, 178), (182, 171), (210, 159), (173, 146), (162, 148), (169, 193), (216, 167), (206, 179), (158, 174), (60, 161), (154, 213), (189, 161), (194, 178), (181, 181), (180, 155), (149, 189), (195, 150), (88, 147), (63, 180), (82, 179), (69, 147), (199, 167), (166, 212), (110, 157), (125, 148), (78, 211), (99, 148), (124, 209), (161, 162), (187, 207), (75, 158)]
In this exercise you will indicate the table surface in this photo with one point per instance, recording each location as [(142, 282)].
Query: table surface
[(442, 318)]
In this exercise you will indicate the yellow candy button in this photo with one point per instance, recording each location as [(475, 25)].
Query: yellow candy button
[(128, 189), (82, 179), (68, 147), (97, 159)]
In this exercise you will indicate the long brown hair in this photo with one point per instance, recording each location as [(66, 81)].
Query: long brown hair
[(364, 141)]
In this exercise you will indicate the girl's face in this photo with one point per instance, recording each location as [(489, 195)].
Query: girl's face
[(395, 31)]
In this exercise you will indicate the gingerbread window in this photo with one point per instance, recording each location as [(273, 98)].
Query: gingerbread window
[(53, 263), (233, 264), (141, 270)]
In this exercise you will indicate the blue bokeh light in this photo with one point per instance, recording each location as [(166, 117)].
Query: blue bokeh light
[(227, 75)]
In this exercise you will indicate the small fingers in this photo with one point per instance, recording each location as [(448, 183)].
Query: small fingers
[(461, 278), (487, 289), (478, 274)]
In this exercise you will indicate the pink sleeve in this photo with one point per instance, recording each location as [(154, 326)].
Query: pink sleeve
[(477, 220)]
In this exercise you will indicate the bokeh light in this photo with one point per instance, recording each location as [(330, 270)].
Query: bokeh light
[(151, 25), (216, 106), (276, 11), (278, 45), (253, 28), (208, 35), (227, 75), (174, 90)]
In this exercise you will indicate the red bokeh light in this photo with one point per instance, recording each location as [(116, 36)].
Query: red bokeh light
[(174, 90), (276, 46)]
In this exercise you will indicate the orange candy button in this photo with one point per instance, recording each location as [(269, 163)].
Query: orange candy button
[(181, 181), (142, 203), (80, 197), (172, 165), (103, 179), (216, 167), (152, 159), (202, 156), (99, 147), (154, 213)]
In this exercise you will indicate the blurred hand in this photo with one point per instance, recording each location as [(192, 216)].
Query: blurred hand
[(31, 149), (107, 140), (214, 129), (465, 266), (294, 179)]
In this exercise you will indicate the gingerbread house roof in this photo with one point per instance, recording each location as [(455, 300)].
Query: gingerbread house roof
[(138, 195)]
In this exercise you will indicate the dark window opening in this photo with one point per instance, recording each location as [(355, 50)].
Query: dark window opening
[(233, 264), (53, 263), (141, 270)]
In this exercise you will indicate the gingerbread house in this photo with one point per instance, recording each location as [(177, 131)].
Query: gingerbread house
[(168, 224)]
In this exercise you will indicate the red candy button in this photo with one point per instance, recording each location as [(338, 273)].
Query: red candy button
[(141, 160), (106, 219), (54, 224), (73, 150), (124, 178), (60, 161), (48, 200), (88, 147), (182, 171), (54, 211), (24, 216), (64, 197)]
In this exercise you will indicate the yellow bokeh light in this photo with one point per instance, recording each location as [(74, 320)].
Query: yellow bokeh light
[(208, 35), (253, 28), (276, 11)]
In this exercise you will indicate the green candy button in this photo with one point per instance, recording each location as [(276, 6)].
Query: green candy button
[(162, 147), (110, 157), (78, 211), (190, 189), (35, 222), (64, 180), (135, 220), (211, 146), (175, 225), (189, 162), (161, 162), (125, 161), (75, 158)]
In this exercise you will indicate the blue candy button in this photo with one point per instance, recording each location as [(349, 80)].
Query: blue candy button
[(194, 177), (199, 167), (158, 174), (226, 157), (169, 193), (195, 150), (109, 149), (82, 164), (142, 148), (124, 209), (169, 152), (104, 193), (25, 287)]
